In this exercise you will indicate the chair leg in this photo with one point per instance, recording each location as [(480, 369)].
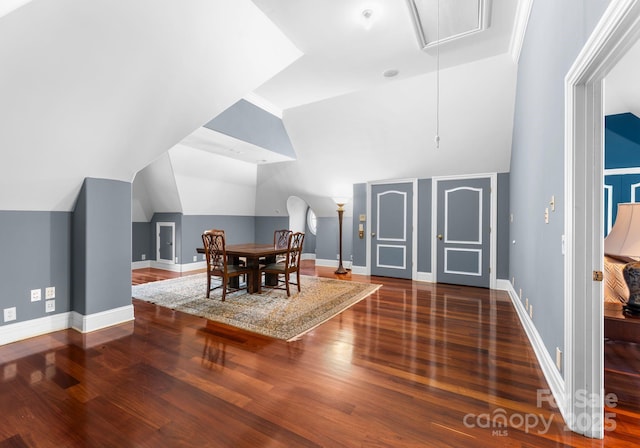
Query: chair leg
[(208, 285), (298, 278), (224, 288), (286, 281)]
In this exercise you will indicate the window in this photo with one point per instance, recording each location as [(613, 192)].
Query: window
[(312, 221)]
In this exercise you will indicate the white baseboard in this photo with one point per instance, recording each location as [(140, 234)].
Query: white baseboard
[(551, 373), (503, 285), (141, 264), (326, 263), (424, 277), (308, 256), (34, 327), (103, 319), (360, 270)]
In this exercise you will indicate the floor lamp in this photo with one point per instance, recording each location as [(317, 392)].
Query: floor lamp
[(340, 202)]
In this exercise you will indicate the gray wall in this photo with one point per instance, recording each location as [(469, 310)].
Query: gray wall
[(142, 232), (359, 248), (36, 254), (237, 229), (502, 248), (424, 225), (266, 225), (327, 238), (556, 32), (246, 121), (102, 246)]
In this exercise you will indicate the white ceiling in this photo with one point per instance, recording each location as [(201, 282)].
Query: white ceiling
[(105, 88), (622, 93), (343, 55)]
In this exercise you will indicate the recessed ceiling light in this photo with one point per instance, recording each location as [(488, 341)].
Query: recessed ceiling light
[(390, 73), (366, 18)]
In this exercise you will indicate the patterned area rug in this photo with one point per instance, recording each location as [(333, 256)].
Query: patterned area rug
[(270, 313)]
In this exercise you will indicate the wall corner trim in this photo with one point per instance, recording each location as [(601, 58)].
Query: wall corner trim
[(103, 319)]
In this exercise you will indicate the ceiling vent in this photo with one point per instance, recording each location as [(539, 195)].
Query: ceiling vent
[(440, 21)]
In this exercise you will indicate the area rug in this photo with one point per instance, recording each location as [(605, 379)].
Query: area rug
[(270, 313)]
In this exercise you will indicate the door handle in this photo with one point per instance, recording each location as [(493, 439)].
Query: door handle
[(440, 236), (373, 234)]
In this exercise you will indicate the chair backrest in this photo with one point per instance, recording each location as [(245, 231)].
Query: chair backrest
[(294, 251), (281, 238), (215, 250)]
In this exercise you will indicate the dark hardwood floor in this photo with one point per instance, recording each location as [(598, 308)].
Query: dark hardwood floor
[(413, 365)]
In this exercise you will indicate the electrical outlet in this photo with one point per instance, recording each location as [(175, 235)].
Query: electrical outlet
[(546, 215), (36, 294), (527, 304), (204, 257), (50, 292), (558, 358), (176, 260), (337, 256), (49, 306), (195, 258), (143, 257), (520, 293), (531, 311), (10, 314)]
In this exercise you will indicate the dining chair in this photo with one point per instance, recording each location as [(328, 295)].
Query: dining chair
[(289, 266), (281, 241), (217, 262)]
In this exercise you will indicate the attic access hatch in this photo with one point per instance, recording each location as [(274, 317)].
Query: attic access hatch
[(458, 18)]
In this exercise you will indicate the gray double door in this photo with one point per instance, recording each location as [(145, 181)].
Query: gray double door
[(462, 229)]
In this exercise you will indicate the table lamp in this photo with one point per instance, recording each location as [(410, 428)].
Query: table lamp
[(623, 242)]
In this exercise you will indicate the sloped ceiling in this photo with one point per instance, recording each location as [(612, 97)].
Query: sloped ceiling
[(388, 133), (102, 88)]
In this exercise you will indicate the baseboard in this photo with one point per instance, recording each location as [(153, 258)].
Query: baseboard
[(548, 367), (35, 327), (326, 263), (166, 266), (308, 256), (141, 264), (424, 277), (96, 321), (359, 270), (193, 266), (503, 285)]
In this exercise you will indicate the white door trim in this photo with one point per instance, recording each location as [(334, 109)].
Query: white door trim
[(493, 218), (414, 224), (616, 31), (173, 242)]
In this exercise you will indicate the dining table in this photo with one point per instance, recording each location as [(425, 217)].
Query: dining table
[(253, 253)]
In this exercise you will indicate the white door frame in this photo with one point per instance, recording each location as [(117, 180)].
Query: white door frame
[(493, 239), (173, 242), (414, 223), (616, 31)]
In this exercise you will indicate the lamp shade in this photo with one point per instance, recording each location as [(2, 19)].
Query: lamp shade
[(624, 238)]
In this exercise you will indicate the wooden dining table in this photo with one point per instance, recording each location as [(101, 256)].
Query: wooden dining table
[(252, 252)]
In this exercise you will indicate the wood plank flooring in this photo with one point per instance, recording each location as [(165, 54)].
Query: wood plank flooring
[(414, 365)]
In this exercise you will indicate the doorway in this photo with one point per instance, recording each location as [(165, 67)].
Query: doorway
[(616, 32), (165, 242)]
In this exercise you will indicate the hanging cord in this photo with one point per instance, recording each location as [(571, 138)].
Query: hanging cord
[(437, 139)]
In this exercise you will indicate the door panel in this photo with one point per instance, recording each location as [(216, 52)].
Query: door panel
[(391, 224), (463, 226), (166, 243)]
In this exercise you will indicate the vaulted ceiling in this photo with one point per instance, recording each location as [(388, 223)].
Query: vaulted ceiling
[(105, 89)]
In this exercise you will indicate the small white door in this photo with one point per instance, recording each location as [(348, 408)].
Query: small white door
[(165, 242)]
